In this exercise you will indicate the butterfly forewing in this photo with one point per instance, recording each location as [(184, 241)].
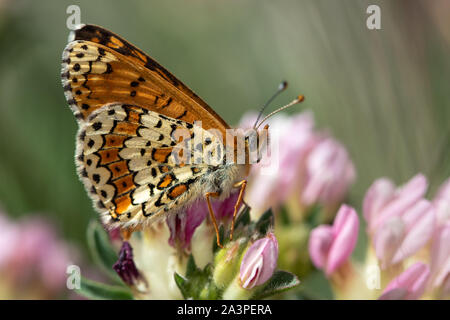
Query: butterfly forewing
[(99, 68)]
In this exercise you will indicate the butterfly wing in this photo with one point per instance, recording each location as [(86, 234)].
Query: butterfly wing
[(127, 160), (99, 68)]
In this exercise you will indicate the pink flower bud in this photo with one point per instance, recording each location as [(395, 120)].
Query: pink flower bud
[(320, 242), (331, 246), (328, 174), (259, 262), (410, 285), (440, 257)]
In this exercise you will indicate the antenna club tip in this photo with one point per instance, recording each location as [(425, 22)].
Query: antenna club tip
[(283, 85), (300, 98)]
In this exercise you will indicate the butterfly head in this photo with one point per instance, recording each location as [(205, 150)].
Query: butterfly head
[(257, 139)]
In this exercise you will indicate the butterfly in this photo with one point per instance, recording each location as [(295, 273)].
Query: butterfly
[(129, 110)]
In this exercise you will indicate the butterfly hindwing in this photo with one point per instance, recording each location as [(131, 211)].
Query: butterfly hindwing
[(100, 68), (126, 159)]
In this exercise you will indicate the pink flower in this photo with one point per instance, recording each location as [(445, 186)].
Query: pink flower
[(440, 259), (410, 285), (444, 191), (331, 246), (399, 220), (9, 233), (383, 200), (183, 225), (442, 203), (224, 209), (259, 262)]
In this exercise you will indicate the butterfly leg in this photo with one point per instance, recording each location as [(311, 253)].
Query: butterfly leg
[(127, 232), (211, 213), (241, 184)]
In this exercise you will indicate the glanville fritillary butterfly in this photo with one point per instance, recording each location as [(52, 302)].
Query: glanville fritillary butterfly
[(129, 110)]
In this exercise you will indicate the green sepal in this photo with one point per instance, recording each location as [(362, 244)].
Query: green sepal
[(280, 282), (244, 218), (197, 284), (264, 222)]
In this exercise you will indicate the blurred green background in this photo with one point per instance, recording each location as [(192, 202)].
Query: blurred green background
[(384, 93)]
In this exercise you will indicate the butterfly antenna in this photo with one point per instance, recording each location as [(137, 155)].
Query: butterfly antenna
[(297, 100), (283, 85)]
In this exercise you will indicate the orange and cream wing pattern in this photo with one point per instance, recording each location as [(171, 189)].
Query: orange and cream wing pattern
[(128, 109), (125, 157), (100, 68)]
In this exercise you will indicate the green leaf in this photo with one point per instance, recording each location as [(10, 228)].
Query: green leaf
[(264, 222), (280, 281), (100, 291), (244, 218), (101, 250)]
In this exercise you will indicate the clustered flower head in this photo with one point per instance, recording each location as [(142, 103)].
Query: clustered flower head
[(410, 243), (400, 220), (180, 258)]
